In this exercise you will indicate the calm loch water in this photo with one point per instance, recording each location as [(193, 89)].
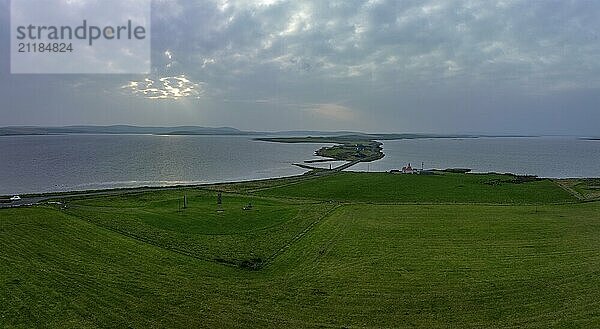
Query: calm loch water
[(82, 162), (79, 162), (556, 157)]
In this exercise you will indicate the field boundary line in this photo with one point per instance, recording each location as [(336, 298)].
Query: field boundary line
[(570, 190), (149, 242), (308, 176), (305, 200), (300, 235)]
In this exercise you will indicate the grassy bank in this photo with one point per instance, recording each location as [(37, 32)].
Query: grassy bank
[(334, 251), (440, 188)]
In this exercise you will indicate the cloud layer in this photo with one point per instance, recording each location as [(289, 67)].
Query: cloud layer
[(388, 65), (543, 46)]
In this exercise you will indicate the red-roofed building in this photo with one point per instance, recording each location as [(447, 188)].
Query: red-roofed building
[(408, 170)]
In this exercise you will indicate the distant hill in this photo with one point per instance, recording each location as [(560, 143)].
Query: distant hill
[(196, 130), (179, 130), (122, 129)]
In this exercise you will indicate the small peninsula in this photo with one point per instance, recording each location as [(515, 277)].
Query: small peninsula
[(352, 148)]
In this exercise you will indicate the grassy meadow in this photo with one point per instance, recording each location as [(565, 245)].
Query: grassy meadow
[(349, 250), (440, 188)]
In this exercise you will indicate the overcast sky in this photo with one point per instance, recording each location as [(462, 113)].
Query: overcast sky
[(506, 67)]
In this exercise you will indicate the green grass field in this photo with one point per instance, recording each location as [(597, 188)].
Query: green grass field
[(342, 251), (441, 188)]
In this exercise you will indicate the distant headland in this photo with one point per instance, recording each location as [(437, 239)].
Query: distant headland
[(290, 136)]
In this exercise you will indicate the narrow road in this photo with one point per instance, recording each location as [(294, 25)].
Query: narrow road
[(33, 200), (29, 201), (338, 168), (346, 165)]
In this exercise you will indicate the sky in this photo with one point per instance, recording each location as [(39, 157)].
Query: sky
[(431, 66)]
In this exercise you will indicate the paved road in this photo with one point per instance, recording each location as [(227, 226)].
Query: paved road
[(346, 165), (23, 202), (338, 168), (28, 201)]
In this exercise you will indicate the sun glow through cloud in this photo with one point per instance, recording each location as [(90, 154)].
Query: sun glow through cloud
[(176, 87)]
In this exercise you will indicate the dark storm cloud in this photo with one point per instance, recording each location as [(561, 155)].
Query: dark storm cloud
[(449, 66)]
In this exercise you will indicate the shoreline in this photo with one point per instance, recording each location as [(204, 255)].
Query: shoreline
[(31, 199), (146, 187), (351, 149)]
